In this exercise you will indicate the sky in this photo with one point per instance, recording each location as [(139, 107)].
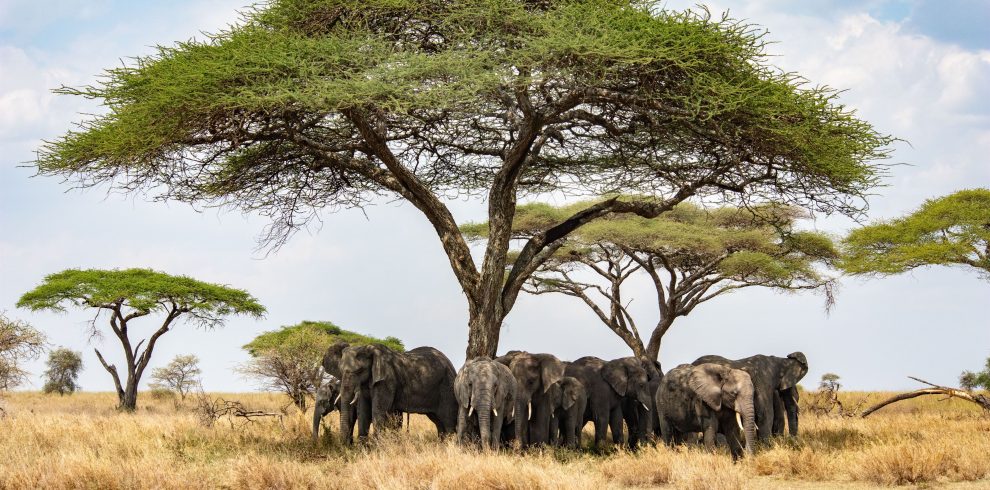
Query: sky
[(919, 70)]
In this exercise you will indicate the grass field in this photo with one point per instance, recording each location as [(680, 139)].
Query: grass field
[(80, 441)]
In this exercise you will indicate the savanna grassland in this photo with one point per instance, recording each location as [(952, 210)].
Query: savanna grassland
[(80, 441)]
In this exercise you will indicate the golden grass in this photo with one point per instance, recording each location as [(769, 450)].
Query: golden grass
[(80, 441)]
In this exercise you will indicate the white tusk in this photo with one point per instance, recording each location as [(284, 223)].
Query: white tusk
[(470, 411), (495, 411), (355, 399), (645, 406), (739, 421), (335, 400), (529, 408)]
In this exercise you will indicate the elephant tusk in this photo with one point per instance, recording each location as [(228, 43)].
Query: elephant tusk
[(495, 411), (739, 421), (355, 399), (335, 400), (645, 406), (470, 411), (529, 408)]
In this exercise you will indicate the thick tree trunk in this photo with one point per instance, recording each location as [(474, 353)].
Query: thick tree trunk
[(128, 399), (483, 333), (653, 347)]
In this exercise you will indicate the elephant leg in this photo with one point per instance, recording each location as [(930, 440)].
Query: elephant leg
[(539, 422), (615, 424), (553, 437), (666, 431), (438, 423), (778, 413), (380, 404), (710, 426), (363, 418), (496, 429), (631, 416), (728, 428), (601, 429), (764, 414)]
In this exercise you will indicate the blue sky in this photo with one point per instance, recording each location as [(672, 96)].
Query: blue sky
[(919, 70)]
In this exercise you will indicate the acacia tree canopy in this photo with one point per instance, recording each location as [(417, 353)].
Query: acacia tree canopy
[(19, 342), (691, 254), (311, 105), (130, 294), (950, 230)]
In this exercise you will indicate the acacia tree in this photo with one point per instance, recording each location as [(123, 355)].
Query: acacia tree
[(62, 375), (130, 294), (690, 254), (180, 375), (19, 342), (308, 105), (953, 230), (288, 359)]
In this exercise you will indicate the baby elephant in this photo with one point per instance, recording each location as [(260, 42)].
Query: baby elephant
[(486, 393), (568, 400), (707, 398), (326, 401)]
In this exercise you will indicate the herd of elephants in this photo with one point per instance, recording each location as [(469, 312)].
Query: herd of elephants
[(537, 399)]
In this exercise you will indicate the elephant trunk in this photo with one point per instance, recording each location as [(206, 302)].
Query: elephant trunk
[(347, 393), (317, 418), (522, 420), (748, 413), (484, 409)]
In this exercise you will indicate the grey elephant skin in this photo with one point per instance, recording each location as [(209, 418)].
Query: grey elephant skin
[(609, 385), (418, 381), (486, 392), (568, 402), (534, 375), (772, 376), (706, 398), (331, 366), (642, 420)]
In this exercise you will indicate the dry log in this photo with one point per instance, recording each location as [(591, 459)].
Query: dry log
[(935, 389)]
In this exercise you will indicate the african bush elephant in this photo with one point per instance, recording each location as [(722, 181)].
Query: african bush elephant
[(568, 402), (642, 420), (707, 398), (609, 384), (327, 400), (534, 374), (486, 395), (418, 381), (770, 374)]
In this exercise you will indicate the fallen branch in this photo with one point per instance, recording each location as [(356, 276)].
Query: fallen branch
[(212, 410), (935, 389)]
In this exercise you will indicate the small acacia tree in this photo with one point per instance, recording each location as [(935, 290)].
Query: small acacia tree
[(181, 375), (62, 375), (288, 359), (131, 294), (311, 105), (970, 380), (19, 342), (953, 230), (690, 254)]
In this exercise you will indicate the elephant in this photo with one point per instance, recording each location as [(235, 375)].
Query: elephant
[(486, 389), (327, 400), (707, 398), (771, 376), (568, 402), (609, 384), (418, 381), (534, 374), (331, 366), (642, 420)]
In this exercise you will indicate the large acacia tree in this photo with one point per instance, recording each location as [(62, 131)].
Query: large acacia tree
[(128, 295), (952, 230), (325, 104), (690, 254)]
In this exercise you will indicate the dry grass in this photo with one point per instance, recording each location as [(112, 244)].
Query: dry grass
[(79, 441)]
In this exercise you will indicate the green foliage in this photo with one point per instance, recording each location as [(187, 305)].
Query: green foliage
[(970, 380), (950, 230), (142, 290), (252, 100), (62, 375), (318, 334), (19, 342)]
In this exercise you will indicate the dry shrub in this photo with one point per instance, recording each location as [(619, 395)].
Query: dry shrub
[(805, 463), (648, 468), (904, 464)]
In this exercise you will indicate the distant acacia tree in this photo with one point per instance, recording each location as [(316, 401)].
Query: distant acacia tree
[(970, 380), (288, 359), (127, 295), (311, 105), (62, 375), (19, 342), (953, 230), (181, 375), (691, 255)]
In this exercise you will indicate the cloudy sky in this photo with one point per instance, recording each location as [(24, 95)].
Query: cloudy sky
[(919, 70)]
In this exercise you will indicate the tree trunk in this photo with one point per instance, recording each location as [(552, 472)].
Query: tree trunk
[(483, 333), (653, 348), (128, 399)]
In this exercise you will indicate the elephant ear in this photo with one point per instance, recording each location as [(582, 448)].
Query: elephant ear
[(551, 370), (795, 367), (462, 390), (615, 374), (331, 359), (380, 368), (706, 382)]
